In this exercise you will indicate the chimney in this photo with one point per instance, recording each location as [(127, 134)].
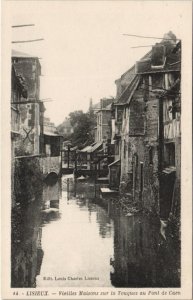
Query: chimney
[(169, 38)]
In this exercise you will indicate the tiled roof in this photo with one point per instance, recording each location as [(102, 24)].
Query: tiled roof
[(128, 92)]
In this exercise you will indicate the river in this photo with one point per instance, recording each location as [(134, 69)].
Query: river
[(79, 239)]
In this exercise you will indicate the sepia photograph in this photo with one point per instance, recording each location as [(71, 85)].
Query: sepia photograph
[(95, 98)]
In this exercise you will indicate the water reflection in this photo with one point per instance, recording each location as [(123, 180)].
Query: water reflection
[(26, 250), (68, 233), (81, 241), (26, 234), (51, 202), (141, 257)]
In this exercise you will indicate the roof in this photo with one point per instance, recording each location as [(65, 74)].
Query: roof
[(104, 104), (95, 147), (15, 53), (130, 74), (91, 148), (167, 60), (128, 92), (96, 106), (108, 107)]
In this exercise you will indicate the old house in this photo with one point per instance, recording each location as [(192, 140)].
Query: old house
[(26, 125), (103, 133), (18, 94), (170, 139), (31, 109), (146, 130), (103, 116), (149, 135), (97, 155), (161, 76), (117, 114), (88, 157), (52, 139), (51, 157)]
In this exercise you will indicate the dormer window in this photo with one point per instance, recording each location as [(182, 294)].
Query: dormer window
[(158, 57)]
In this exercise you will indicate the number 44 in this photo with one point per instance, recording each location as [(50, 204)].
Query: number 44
[(15, 293)]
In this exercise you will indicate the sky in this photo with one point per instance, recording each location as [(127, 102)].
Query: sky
[(84, 50)]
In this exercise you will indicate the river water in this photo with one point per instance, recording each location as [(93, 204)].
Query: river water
[(79, 239)]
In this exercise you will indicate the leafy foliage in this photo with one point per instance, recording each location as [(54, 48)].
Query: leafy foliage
[(83, 128)]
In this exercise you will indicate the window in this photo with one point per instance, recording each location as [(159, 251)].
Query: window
[(169, 154), (119, 115), (151, 155), (158, 56), (173, 109)]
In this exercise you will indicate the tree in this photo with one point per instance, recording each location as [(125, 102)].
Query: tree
[(83, 125)]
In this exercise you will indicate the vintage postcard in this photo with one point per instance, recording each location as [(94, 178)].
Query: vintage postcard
[(96, 149)]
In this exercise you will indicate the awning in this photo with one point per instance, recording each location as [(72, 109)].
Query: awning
[(95, 147), (86, 149), (91, 148)]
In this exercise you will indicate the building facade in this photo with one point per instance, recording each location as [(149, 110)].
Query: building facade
[(146, 129), (31, 109)]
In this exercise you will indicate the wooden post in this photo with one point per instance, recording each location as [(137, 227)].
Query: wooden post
[(68, 156), (95, 180), (75, 164), (141, 183), (134, 170), (68, 189), (61, 160)]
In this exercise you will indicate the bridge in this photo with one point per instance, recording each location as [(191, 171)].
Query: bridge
[(51, 164)]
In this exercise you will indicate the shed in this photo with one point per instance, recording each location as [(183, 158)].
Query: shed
[(114, 174)]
